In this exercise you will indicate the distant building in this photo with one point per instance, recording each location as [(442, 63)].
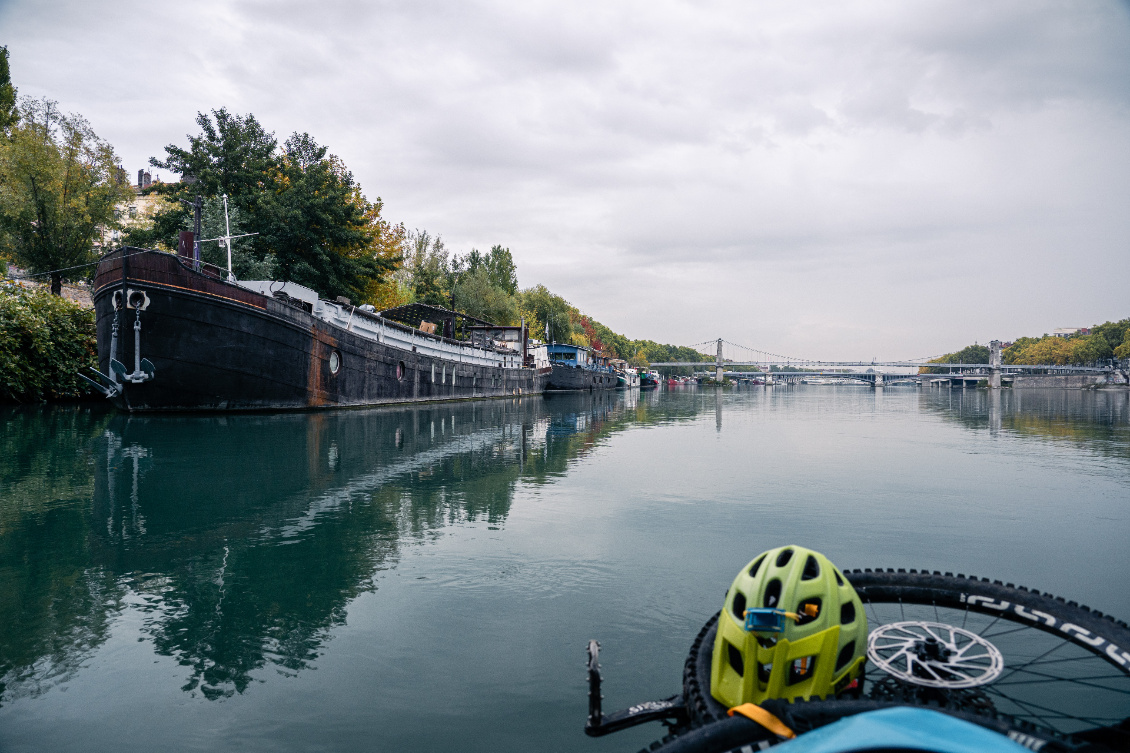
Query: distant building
[(1069, 331), (138, 210)]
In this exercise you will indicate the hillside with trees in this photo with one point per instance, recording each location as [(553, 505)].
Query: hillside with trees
[(1105, 341)]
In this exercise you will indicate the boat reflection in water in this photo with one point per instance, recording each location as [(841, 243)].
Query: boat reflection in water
[(242, 539)]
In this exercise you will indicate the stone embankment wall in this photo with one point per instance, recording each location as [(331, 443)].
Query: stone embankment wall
[(1067, 382)]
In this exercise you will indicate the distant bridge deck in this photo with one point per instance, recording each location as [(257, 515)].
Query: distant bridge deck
[(832, 365)]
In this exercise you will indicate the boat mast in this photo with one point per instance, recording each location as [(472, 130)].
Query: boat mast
[(227, 233)]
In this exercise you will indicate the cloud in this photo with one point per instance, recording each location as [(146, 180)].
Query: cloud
[(821, 177)]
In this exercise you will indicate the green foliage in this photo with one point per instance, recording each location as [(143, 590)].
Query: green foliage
[(567, 324), (318, 225), (427, 270), (58, 184), (1076, 351), (969, 354), (233, 155), (315, 226), (477, 296), (497, 266), (1123, 350), (1115, 333), (8, 112), (540, 307), (1107, 340), (247, 264), (45, 340)]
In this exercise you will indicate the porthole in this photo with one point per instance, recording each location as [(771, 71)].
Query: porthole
[(335, 362), (400, 371)]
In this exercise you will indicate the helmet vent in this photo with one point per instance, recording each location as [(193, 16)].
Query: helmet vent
[(847, 613), (784, 557), (839, 578), (801, 669), (805, 617), (738, 606), (846, 654), (811, 569), (772, 593), (735, 658), (756, 565)]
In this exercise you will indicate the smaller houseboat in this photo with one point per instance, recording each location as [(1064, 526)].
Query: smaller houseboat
[(626, 376), (576, 367)]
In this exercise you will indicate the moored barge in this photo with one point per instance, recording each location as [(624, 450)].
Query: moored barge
[(174, 336), (576, 367)]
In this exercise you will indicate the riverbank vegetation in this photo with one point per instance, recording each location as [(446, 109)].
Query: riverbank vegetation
[(45, 340), (1103, 342), (1108, 340)]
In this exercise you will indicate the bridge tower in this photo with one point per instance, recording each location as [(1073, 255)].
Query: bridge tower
[(995, 365), (718, 375)]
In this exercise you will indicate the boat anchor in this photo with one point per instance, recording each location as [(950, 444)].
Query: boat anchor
[(143, 369)]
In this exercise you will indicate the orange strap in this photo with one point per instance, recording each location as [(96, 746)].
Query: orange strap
[(764, 718)]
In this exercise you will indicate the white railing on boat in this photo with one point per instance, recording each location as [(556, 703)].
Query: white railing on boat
[(374, 327)]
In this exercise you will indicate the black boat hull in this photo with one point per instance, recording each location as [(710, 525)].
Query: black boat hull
[(215, 346), (576, 378)]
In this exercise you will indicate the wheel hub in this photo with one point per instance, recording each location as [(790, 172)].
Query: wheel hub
[(934, 655)]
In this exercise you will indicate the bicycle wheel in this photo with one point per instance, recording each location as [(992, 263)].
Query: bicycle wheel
[(994, 648), (975, 647)]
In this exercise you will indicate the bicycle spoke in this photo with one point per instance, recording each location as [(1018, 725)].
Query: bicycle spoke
[(1014, 670), (1007, 632), (1050, 713), (994, 622), (1076, 680)]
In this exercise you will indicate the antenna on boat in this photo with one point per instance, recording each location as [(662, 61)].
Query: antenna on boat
[(227, 234), (226, 239)]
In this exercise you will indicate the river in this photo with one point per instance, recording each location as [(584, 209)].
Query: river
[(426, 578)]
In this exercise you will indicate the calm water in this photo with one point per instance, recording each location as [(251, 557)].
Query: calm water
[(420, 578)]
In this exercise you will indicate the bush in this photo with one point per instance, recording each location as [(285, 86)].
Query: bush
[(45, 341)]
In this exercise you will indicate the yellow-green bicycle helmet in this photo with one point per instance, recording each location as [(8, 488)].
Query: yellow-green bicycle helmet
[(792, 627)]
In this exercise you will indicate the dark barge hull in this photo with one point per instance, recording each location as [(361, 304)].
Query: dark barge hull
[(576, 378), (216, 346)]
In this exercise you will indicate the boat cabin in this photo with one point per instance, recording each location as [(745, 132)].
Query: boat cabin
[(576, 356)]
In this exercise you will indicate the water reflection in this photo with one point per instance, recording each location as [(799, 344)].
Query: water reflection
[(242, 539), (1098, 418)]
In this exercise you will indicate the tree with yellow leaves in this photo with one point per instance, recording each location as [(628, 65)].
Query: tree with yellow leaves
[(59, 183)]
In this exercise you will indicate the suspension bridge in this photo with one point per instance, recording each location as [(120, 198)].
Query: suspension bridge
[(785, 368)]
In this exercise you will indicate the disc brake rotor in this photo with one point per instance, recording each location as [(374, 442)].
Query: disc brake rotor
[(934, 655)]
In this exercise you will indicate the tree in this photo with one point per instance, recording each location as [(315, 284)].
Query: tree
[(232, 155), (969, 354), (547, 315), (1113, 332), (477, 296), (58, 183), (500, 270), (1123, 349), (8, 111), (323, 232), (426, 274), (247, 263)]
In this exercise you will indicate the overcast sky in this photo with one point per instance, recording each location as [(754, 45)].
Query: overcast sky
[(826, 180)]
